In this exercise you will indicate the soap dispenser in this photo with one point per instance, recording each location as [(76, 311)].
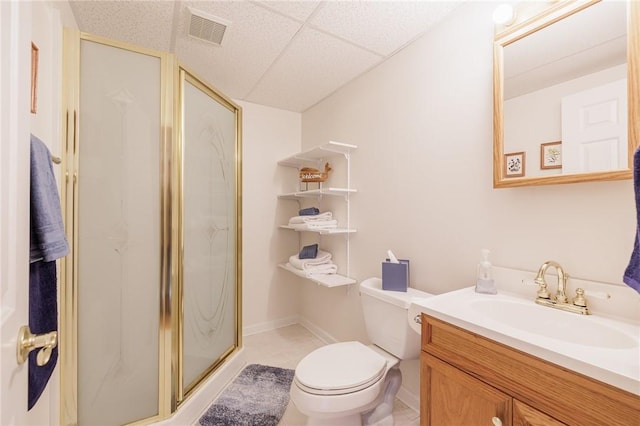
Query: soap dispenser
[(484, 279)]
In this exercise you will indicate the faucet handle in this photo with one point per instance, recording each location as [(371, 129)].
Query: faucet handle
[(579, 300), (542, 293)]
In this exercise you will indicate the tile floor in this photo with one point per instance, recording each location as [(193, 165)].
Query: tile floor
[(284, 348)]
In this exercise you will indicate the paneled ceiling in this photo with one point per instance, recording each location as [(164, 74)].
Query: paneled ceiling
[(285, 54)]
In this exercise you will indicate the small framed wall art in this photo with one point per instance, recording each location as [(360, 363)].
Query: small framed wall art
[(551, 155), (514, 164)]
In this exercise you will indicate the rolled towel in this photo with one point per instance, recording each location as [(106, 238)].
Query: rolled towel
[(308, 252), (309, 211), (311, 218), (323, 257)]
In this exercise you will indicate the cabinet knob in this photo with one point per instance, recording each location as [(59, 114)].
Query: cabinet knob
[(496, 421)]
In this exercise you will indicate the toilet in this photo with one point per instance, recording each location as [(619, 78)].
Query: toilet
[(349, 383)]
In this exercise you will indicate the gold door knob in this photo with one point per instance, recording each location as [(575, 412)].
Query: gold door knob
[(28, 342)]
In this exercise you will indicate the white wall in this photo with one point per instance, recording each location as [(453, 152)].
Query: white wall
[(423, 170), (270, 295)]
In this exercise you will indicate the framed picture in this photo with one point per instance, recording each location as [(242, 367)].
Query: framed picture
[(34, 78), (551, 155), (514, 164)]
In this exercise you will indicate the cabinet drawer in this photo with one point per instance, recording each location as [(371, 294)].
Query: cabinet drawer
[(565, 395)]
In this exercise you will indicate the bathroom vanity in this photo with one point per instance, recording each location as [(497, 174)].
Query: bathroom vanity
[(466, 378)]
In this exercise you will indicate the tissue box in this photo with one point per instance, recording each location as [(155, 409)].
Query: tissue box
[(395, 276)]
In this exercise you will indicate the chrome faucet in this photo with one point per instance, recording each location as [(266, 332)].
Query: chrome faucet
[(579, 304)]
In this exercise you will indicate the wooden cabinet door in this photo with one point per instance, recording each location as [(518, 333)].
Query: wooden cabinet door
[(524, 415), (450, 397)]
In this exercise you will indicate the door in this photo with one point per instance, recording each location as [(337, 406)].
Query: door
[(15, 45), (594, 129), (450, 397)]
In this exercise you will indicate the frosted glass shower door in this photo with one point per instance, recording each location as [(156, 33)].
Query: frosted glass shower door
[(209, 217), (119, 223)]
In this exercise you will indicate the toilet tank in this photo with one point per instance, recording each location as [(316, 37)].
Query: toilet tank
[(386, 318)]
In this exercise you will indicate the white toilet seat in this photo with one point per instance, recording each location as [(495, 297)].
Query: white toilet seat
[(340, 368)]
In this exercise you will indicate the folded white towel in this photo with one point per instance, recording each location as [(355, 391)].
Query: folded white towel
[(314, 226), (322, 258), (311, 218), (326, 269)]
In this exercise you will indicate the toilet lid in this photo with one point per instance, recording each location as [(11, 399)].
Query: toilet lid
[(340, 367)]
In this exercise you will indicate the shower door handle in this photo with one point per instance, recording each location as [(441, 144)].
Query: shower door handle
[(28, 342)]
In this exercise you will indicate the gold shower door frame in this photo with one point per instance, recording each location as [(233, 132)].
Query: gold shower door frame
[(170, 339), (185, 76)]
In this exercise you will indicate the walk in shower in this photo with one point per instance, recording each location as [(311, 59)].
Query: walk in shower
[(150, 294)]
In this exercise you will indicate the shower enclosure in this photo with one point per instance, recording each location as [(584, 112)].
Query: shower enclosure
[(150, 294)]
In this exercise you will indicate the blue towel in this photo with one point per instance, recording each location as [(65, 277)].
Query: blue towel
[(48, 240), (632, 273), (48, 243), (308, 252), (309, 211), (43, 318)]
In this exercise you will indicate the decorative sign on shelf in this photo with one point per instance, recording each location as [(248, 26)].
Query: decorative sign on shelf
[(310, 174)]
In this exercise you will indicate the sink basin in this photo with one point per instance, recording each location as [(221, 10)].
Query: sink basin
[(554, 324), (604, 348)]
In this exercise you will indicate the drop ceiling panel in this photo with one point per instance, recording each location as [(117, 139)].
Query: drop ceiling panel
[(288, 54), (299, 10), (313, 66), (381, 26), (253, 39), (146, 24)]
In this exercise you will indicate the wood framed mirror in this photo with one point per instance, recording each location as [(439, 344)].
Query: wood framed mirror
[(567, 93)]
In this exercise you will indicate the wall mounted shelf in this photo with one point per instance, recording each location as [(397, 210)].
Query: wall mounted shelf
[(316, 157), (333, 280), (327, 231), (314, 193), (318, 154)]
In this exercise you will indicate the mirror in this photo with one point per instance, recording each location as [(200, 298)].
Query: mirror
[(567, 94)]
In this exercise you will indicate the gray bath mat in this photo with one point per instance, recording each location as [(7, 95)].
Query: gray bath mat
[(257, 397)]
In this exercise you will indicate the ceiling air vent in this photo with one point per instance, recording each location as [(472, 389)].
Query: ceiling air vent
[(206, 27)]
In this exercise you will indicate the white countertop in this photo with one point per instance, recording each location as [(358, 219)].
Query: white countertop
[(605, 349)]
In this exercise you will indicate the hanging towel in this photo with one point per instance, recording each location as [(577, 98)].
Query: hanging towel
[(48, 240), (43, 318), (48, 243), (632, 273)]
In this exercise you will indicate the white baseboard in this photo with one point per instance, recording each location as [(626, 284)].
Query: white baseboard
[(269, 325), (317, 331), (410, 399), (195, 406)]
